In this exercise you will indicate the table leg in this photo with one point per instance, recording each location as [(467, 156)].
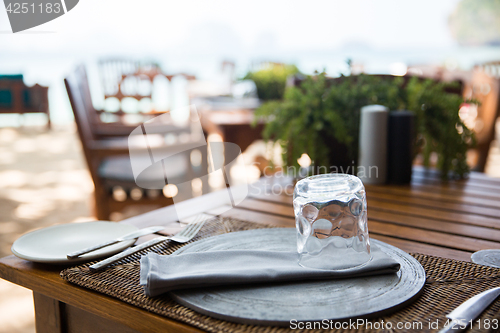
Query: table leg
[(48, 317), (52, 316)]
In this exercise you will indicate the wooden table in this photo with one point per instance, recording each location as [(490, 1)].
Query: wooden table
[(233, 126), (451, 220)]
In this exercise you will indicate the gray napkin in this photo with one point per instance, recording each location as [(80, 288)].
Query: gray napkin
[(162, 273)]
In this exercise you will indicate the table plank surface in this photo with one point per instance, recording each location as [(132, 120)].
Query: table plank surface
[(448, 219)]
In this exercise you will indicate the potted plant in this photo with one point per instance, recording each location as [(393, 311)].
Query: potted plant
[(271, 80), (320, 117)]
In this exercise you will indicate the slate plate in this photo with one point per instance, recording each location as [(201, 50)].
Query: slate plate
[(487, 258), (277, 304)]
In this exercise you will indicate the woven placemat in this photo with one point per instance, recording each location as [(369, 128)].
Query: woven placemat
[(449, 283)]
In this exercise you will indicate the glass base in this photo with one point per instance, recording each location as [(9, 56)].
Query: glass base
[(334, 259)]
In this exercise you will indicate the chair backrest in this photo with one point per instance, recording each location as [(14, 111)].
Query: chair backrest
[(485, 87), (86, 96), (75, 87), (124, 78), (112, 71)]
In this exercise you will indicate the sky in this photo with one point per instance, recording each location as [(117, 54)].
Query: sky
[(230, 28)]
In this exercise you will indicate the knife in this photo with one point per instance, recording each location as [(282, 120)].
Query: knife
[(132, 235), (469, 310)]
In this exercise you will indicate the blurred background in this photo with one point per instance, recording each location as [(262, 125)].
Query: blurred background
[(197, 36), (208, 53)]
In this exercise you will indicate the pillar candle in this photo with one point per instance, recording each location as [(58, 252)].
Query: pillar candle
[(372, 166)]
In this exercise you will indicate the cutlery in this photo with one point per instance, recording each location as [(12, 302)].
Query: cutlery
[(469, 310), (182, 237), (131, 235)]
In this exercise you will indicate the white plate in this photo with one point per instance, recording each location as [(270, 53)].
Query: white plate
[(51, 245)]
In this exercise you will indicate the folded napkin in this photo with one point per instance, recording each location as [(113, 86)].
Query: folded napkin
[(162, 273)]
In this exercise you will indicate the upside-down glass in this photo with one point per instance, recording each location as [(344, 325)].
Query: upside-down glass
[(331, 221)]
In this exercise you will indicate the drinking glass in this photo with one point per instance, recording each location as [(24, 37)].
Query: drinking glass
[(331, 221)]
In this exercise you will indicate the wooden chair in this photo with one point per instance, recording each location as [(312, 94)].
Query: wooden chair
[(108, 159), (16, 97), (125, 78), (99, 128), (485, 88)]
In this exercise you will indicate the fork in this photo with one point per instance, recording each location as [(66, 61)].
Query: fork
[(184, 236)]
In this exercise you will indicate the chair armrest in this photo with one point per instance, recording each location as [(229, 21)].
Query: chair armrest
[(111, 147), (112, 131), (119, 130)]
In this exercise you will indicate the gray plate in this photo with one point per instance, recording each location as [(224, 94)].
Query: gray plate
[(278, 303), (487, 257)]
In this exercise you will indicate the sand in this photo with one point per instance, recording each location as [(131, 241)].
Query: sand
[(43, 181)]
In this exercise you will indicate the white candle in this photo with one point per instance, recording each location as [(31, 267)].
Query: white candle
[(372, 162)]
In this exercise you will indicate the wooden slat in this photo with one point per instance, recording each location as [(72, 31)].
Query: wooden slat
[(458, 193), (219, 210), (456, 188), (429, 203), (473, 177), (410, 210), (442, 226), (404, 244), (268, 207), (451, 188), (280, 199), (409, 232), (434, 214), (495, 223), (260, 217), (424, 192), (431, 237), (386, 216), (462, 184), (181, 210), (415, 247)]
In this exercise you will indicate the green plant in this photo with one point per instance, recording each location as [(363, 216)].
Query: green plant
[(271, 81), (321, 118), (439, 126)]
